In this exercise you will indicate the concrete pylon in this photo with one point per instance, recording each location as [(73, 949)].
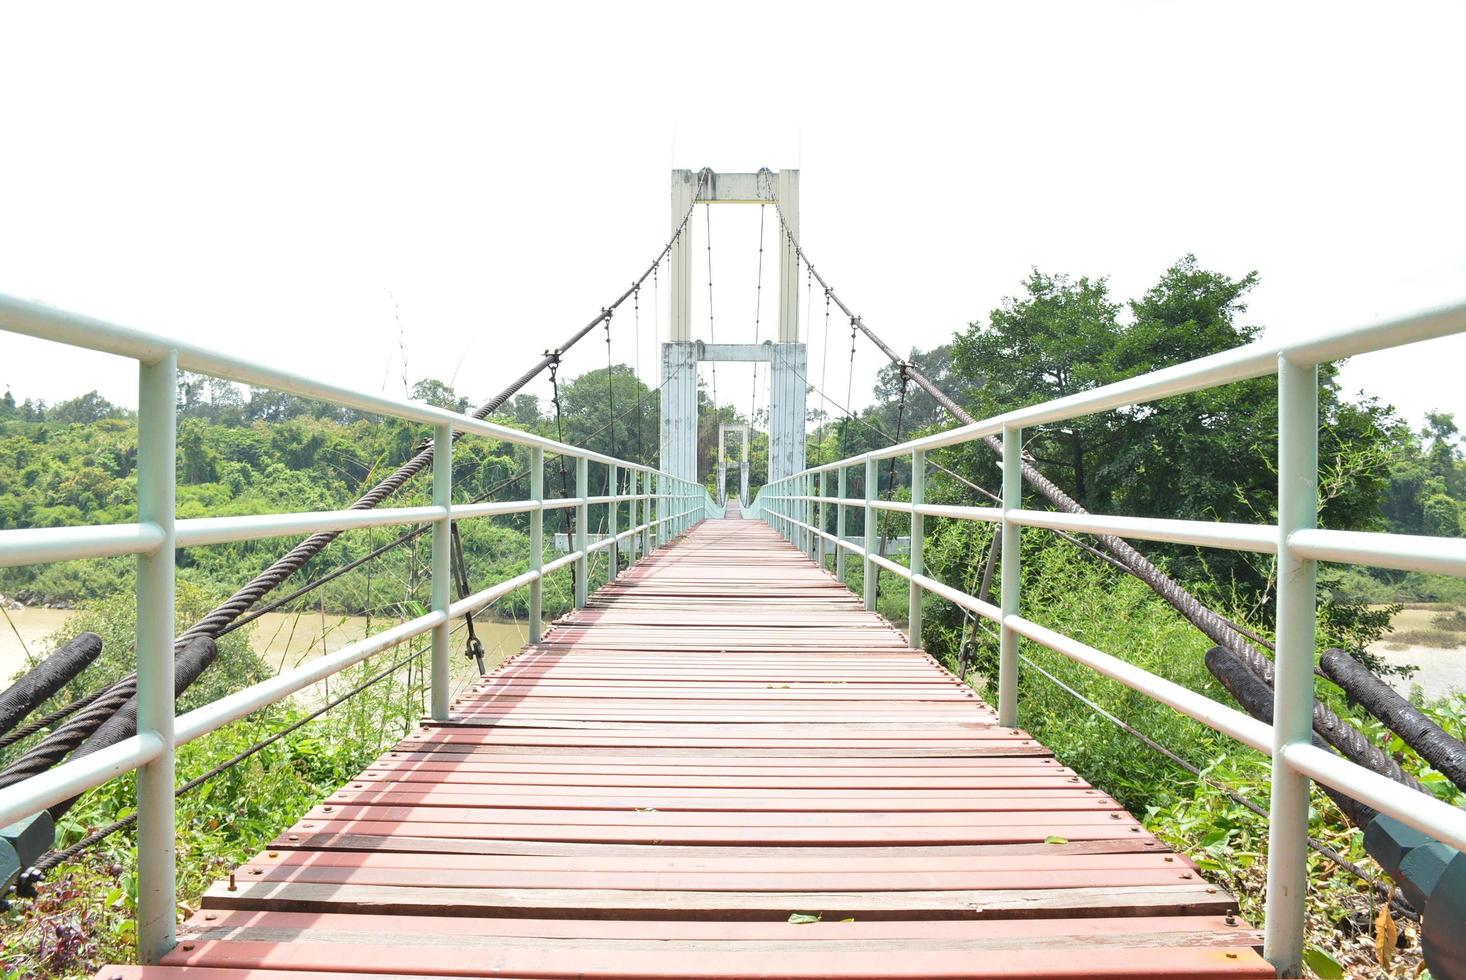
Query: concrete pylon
[(681, 354)]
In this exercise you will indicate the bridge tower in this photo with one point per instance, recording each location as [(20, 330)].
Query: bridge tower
[(681, 354)]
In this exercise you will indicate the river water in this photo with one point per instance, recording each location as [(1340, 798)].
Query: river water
[(283, 639)]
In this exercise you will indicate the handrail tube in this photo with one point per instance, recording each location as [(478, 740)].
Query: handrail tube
[(1425, 813), (198, 531), (76, 776), (494, 508), (561, 562), (1412, 552), (1260, 538), (76, 330), (958, 598), (232, 707), (1239, 364), (961, 512), (42, 545), (890, 566), (469, 605)]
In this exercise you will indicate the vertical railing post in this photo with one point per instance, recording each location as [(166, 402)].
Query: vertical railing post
[(536, 542), (442, 566), (661, 493), (823, 523), (648, 480), (582, 564), (1008, 640), (614, 550), (654, 511), (633, 518), (788, 510), (840, 481), (800, 514), (1287, 867), (918, 543), (157, 904), (870, 534), (811, 539)]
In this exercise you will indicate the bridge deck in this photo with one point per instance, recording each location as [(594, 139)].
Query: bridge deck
[(725, 738)]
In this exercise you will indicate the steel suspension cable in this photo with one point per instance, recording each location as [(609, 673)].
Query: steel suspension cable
[(610, 389), (640, 384), (825, 354), (758, 296), (707, 213)]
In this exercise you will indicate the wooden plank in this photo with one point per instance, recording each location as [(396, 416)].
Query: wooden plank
[(427, 899)]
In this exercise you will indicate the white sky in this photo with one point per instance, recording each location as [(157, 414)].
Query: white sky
[(268, 178)]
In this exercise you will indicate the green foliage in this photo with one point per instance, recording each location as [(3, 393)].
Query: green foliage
[(1203, 456)]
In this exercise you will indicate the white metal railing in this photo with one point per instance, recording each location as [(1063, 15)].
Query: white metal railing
[(793, 506), (660, 507)]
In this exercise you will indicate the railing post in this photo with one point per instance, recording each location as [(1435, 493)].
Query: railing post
[(614, 551), (442, 566), (824, 519), (918, 543), (647, 479), (812, 540), (870, 534), (582, 564), (536, 542), (840, 481), (1011, 532), (661, 493), (157, 900), (787, 509), (1287, 867), (633, 478)]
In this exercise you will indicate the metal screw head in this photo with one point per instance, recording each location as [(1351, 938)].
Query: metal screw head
[(188, 947), (273, 854), (210, 916), (1231, 919)]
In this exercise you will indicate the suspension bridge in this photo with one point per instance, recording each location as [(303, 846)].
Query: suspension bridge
[(723, 762)]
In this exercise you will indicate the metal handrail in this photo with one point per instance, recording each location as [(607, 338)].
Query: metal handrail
[(799, 509), (664, 507)]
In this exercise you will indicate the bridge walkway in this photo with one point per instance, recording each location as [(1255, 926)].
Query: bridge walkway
[(723, 767)]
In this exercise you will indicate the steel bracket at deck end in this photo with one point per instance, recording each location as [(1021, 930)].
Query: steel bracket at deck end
[(1432, 876), (22, 844)]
